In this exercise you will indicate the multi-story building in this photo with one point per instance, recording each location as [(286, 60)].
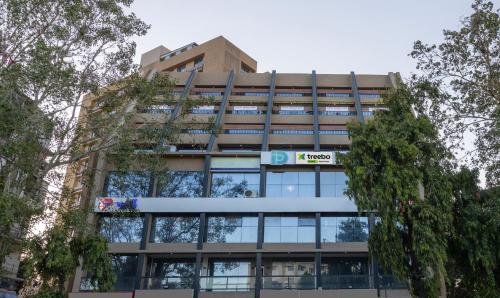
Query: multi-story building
[(258, 208)]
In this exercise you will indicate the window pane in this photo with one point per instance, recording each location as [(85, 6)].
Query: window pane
[(272, 234), (290, 191), (272, 221), (250, 221), (249, 235), (289, 221), (122, 229), (307, 221), (307, 191), (273, 191), (327, 177), (273, 178), (124, 268), (176, 229), (229, 230), (306, 234), (180, 184), (289, 234), (129, 184), (290, 178), (328, 190), (307, 178), (233, 185)]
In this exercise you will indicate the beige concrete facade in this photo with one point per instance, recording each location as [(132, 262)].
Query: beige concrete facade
[(289, 112)]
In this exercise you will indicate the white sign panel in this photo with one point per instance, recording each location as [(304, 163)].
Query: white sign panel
[(314, 158), (337, 109), (205, 107), (245, 108), (291, 108), (373, 109)]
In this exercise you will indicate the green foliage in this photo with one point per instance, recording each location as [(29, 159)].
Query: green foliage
[(54, 255), (390, 158), (459, 86), (474, 247)]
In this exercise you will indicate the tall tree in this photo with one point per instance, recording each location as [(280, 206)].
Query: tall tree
[(459, 80), (474, 245), (398, 167)]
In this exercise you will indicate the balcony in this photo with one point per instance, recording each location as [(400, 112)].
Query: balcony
[(296, 282), (227, 283)]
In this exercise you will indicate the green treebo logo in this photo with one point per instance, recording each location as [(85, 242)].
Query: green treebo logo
[(302, 156)]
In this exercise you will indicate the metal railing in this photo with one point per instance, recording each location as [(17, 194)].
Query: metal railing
[(122, 284), (346, 281), (244, 131), (299, 282), (227, 283), (169, 282)]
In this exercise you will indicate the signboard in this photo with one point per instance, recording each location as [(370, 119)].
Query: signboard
[(291, 108), (337, 109), (110, 204), (293, 158), (245, 108), (234, 163), (373, 109), (314, 158), (205, 108)]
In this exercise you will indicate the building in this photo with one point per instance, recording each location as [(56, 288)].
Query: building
[(256, 210)]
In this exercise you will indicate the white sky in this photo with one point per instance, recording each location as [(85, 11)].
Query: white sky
[(335, 36)]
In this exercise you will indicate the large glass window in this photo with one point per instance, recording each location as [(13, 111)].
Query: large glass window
[(289, 229), (333, 184), (235, 185), (229, 275), (290, 275), (129, 184), (290, 184), (122, 229), (180, 184), (170, 274), (232, 229), (176, 229), (344, 273), (344, 229)]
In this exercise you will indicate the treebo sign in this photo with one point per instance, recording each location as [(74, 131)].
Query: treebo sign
[(314, 157)]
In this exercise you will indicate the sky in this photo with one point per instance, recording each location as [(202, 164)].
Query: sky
[(335, 36)]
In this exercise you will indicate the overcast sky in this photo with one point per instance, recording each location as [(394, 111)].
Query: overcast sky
[(330, 36)]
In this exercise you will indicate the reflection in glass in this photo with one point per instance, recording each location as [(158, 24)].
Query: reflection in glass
[(170, 274), (180, 184), (344, 273), (125, 268), (289, 229), (344, 229), (122, 229), (230, 275), (290, 184), (235, 185), (128, 185), (333, 184), (176, 229), (232, 229)]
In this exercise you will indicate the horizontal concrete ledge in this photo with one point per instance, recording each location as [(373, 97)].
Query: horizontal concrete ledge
[(100, 295), (186, 205), (173, 293), (348, 293)]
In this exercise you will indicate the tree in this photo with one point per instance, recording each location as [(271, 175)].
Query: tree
[(353, 230), (68, 90), (459, 83), (398, 167), (474, 249)]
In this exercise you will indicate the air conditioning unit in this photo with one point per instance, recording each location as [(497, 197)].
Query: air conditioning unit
[(250, 193), (169, 148)]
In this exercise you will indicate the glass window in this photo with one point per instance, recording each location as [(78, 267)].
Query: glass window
[(344, 229), (180, 184), (290, 184), (289, 229), (176, 229), (345, 273), (125, 268), (129, 184), (235, 185), (333, 184), (170, 274), (122, 229), (232, 229)]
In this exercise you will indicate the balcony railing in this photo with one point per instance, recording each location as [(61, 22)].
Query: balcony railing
[(170, 282), (348, 281), (390, 282), (300, 282), (244, 131), (227, 283), (122, 284)]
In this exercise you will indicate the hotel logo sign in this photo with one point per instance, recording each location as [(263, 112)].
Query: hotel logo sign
[(314, 158)]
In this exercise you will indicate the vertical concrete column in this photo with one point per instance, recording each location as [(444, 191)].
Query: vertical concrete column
[(262, 186), (260, 231), (318, 230), (357, 98), (197, 269), (201, 231), (258, 274), (317, 261)]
